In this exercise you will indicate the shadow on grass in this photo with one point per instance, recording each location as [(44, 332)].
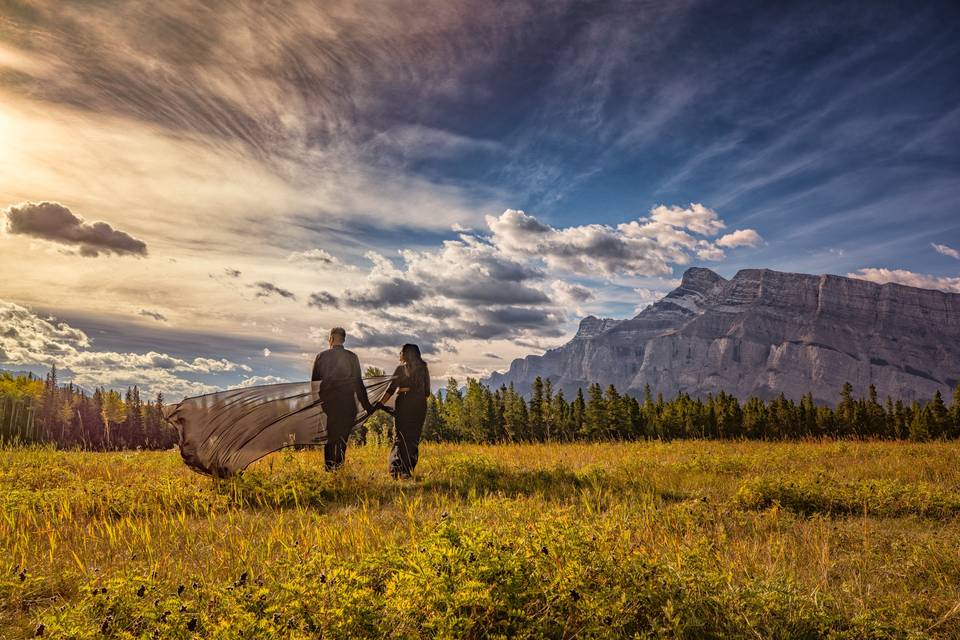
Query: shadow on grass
[(823, 495)]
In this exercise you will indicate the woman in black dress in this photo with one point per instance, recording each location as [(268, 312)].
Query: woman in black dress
[(412, 381)]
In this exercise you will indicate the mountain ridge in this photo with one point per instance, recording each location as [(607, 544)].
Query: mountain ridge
[(765, 332)]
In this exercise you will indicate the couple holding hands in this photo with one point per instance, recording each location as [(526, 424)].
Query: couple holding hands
[(341, 390)]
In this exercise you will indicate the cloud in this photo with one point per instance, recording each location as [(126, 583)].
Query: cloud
[(156, 315), (318, 258), (54, 222), (646, 246), (268, 289), (571, 293), (385, 292), (367, 336), (696, 218), (28, 339), (909, 278), (232, 273), (266, 352), (943, 249), (740, 238), (490, 354), (323, 300), (480, 287), (255, 381)]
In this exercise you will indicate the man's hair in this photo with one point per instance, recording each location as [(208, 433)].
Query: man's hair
[(338, 333)]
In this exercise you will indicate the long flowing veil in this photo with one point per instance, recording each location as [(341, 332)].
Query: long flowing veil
[(221, 433)]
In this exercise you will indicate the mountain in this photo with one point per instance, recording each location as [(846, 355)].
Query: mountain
[(761, 333)]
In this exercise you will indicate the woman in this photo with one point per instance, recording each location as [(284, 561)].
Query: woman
[(412, 381)]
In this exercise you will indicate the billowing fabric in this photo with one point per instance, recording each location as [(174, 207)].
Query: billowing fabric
[(221, 433)]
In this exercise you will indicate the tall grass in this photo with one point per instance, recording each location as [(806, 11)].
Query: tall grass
[(682, 540)]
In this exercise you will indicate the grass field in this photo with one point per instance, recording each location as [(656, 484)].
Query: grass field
[(690, 539)]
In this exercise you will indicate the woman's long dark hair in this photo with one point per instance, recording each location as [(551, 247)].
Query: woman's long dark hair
[(415, 367)]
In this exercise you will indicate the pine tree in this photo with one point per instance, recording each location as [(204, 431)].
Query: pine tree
[(453, 409), (578, 415), (955, 413), (535, 410), (939, 416), (595, 420), (846, 410), (920, 423)]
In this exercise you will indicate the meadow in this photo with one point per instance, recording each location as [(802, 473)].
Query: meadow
[(691, 539)]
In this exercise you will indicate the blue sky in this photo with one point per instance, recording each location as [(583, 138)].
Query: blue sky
[(269, 171)]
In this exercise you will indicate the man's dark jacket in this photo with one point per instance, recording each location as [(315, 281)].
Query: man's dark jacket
[(338, 372)]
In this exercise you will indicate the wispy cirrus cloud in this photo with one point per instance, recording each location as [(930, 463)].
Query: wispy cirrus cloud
[(945, 250)]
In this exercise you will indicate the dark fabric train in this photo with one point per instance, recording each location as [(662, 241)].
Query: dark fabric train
[(221, 433)]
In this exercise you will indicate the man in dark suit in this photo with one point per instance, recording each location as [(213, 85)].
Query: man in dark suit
[(341, 388)]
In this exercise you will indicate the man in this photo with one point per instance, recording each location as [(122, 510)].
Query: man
[(341, 387)]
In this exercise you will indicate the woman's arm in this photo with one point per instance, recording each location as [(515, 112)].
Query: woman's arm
[(393, 384)]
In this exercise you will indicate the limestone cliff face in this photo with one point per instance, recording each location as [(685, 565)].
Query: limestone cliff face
[(762, 333)]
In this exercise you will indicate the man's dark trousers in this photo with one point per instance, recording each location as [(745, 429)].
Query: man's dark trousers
[(341, 414)]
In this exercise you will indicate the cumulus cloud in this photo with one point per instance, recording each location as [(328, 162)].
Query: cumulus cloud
[(56, 223), (571, 293), (496, 286), (740, 238), (651, 245), (945, 250), (28, 339), (490, 354), (255, 381), (323, 300), (909, 278), (268, 289), (696, 218), (386, 292), (266, 352), (367, 336), (156, 315)]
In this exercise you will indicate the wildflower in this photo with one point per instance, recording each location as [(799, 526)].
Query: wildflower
[(180, 590), (41, 629), (192, 624), (142, 589), (574, 595)]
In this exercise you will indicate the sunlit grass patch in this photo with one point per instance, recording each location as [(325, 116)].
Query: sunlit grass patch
[(683, 540)]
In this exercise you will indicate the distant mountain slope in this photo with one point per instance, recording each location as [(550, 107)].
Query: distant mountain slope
[(765, 332)]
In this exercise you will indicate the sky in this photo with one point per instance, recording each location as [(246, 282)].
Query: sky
[(193, 194)]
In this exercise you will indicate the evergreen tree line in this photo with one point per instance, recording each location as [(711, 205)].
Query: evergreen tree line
[(34, 410), (478, 413)]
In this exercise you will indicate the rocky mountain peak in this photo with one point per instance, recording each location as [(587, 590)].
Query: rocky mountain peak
[(763, 333), (592, 326), (700, 279)]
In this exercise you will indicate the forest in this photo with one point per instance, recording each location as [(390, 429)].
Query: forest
[(35, 410)]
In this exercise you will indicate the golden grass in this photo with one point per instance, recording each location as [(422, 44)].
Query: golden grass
[(688, 539)]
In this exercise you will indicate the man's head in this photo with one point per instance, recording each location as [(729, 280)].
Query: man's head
[(337, 336)]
